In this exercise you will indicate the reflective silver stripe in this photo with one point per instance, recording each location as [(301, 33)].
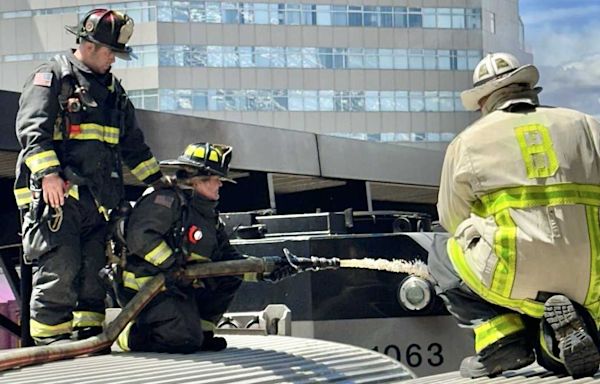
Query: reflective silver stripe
[(87, 319), (41, 161), (159, 254), (145, 169)]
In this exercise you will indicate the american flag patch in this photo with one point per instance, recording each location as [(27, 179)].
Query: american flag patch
[(43, 79), (163, 200)]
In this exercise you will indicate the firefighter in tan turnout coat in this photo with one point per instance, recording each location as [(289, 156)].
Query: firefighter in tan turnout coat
[(520, 194)]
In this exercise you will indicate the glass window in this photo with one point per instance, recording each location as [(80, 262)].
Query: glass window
[(326, 100), (274, 14), (371, 58), (342, 101), (339, 58), (386, 59), (197, 13), (263, 100), (261, 13), (246, 57), (214, 56), (262, 56), (213, 12), (417, 102), (473, 18), (386, 17), (474, 57), (357, 101), (371, 101), (230, 57), (167, 100), (325, 58), (231, 100), (371, 16), (323, 14), (444, 59), (247, 13), (444, 18), (429, 59), (339, 15), (200, 100), (355, 16), (458, 106), (400, 59), (165, 56), (415, 18), (432, 103), (311, 101), (355, 58), (293, 14), (400, 17), (461, 60), (151, 100), (446, 136), (229, 13), (310, 58), (386, 101), (402, 136), (294, 57), (197, 57), (280, 100), (277, 57), (401, 101), (446, 101), (415, 58), (417, 136), (164, 14), (251, 100), (429, 18), (215, 100), (309, 14), (458, 18)]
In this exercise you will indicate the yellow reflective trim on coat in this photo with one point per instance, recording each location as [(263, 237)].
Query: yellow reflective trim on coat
[(196, 257), (41, 161), (537, 150), (87, 319), (495, 329), (207, 325), (593, 293), (22, 197), (527, 306), (123, 338), (505, 248), (38, 329), (74, 191), (92, 131), (535, 196), (159, 254), (145, 169), (136, 283)]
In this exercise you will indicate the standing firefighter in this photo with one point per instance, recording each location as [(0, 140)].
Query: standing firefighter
[(168, 229), (519, 193), (75, 125)]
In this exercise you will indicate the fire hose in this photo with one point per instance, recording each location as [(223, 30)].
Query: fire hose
[(40, 354)]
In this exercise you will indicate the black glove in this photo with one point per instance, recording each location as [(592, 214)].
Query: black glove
[(283, 268)]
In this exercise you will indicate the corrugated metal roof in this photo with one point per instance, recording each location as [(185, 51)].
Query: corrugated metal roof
[(248, 359), (528, 375)]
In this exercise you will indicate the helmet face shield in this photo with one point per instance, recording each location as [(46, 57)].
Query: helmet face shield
[(108, 28)]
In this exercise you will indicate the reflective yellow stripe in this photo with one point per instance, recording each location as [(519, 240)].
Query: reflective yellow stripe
[(537, 195), (159, 254), (123, 339), (38, 329), (74, 191), (200, 152), (207, 325), (250, 277), (593, 293), (87, 319), (527, 306), (22, 196), (145, 169), (42, 160), (537, 150), (196, 257), (91, 131), (136, 283), (505, 248), (495, 329)]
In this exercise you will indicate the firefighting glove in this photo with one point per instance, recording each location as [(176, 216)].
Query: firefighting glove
[(280, 267)]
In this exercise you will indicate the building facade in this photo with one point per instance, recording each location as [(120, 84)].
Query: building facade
[(379, 70)]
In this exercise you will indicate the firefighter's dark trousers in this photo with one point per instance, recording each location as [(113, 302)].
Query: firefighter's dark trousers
[(67, 291), (175, 320), (472, 311)]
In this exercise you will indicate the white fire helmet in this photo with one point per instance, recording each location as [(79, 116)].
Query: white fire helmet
[(495, 71)]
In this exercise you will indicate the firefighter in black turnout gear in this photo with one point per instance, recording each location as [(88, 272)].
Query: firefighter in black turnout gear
[(76, 126), (168, 229)]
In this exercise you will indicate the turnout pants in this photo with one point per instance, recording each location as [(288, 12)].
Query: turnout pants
[(67, 292), (175, 321)]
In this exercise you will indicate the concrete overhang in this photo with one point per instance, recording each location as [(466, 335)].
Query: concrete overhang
[(297, 161)]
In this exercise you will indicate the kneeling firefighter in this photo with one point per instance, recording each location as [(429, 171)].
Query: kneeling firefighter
[(168, 229)]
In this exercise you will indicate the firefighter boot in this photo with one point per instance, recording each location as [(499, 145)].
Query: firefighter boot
[(82, 333), (496, 358), (212, 342), (577, 349), (63, 338)]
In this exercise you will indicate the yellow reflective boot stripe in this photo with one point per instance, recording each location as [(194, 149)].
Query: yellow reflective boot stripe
[(145, 169), (42, 160), (495, 329), (123, 339), (158, 254), (527, 306), (38, 329), (537, 150), (87, 319), (22, 196), (207, 325), (593, 293), (505, 248), (535, 196), (546, 349)]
